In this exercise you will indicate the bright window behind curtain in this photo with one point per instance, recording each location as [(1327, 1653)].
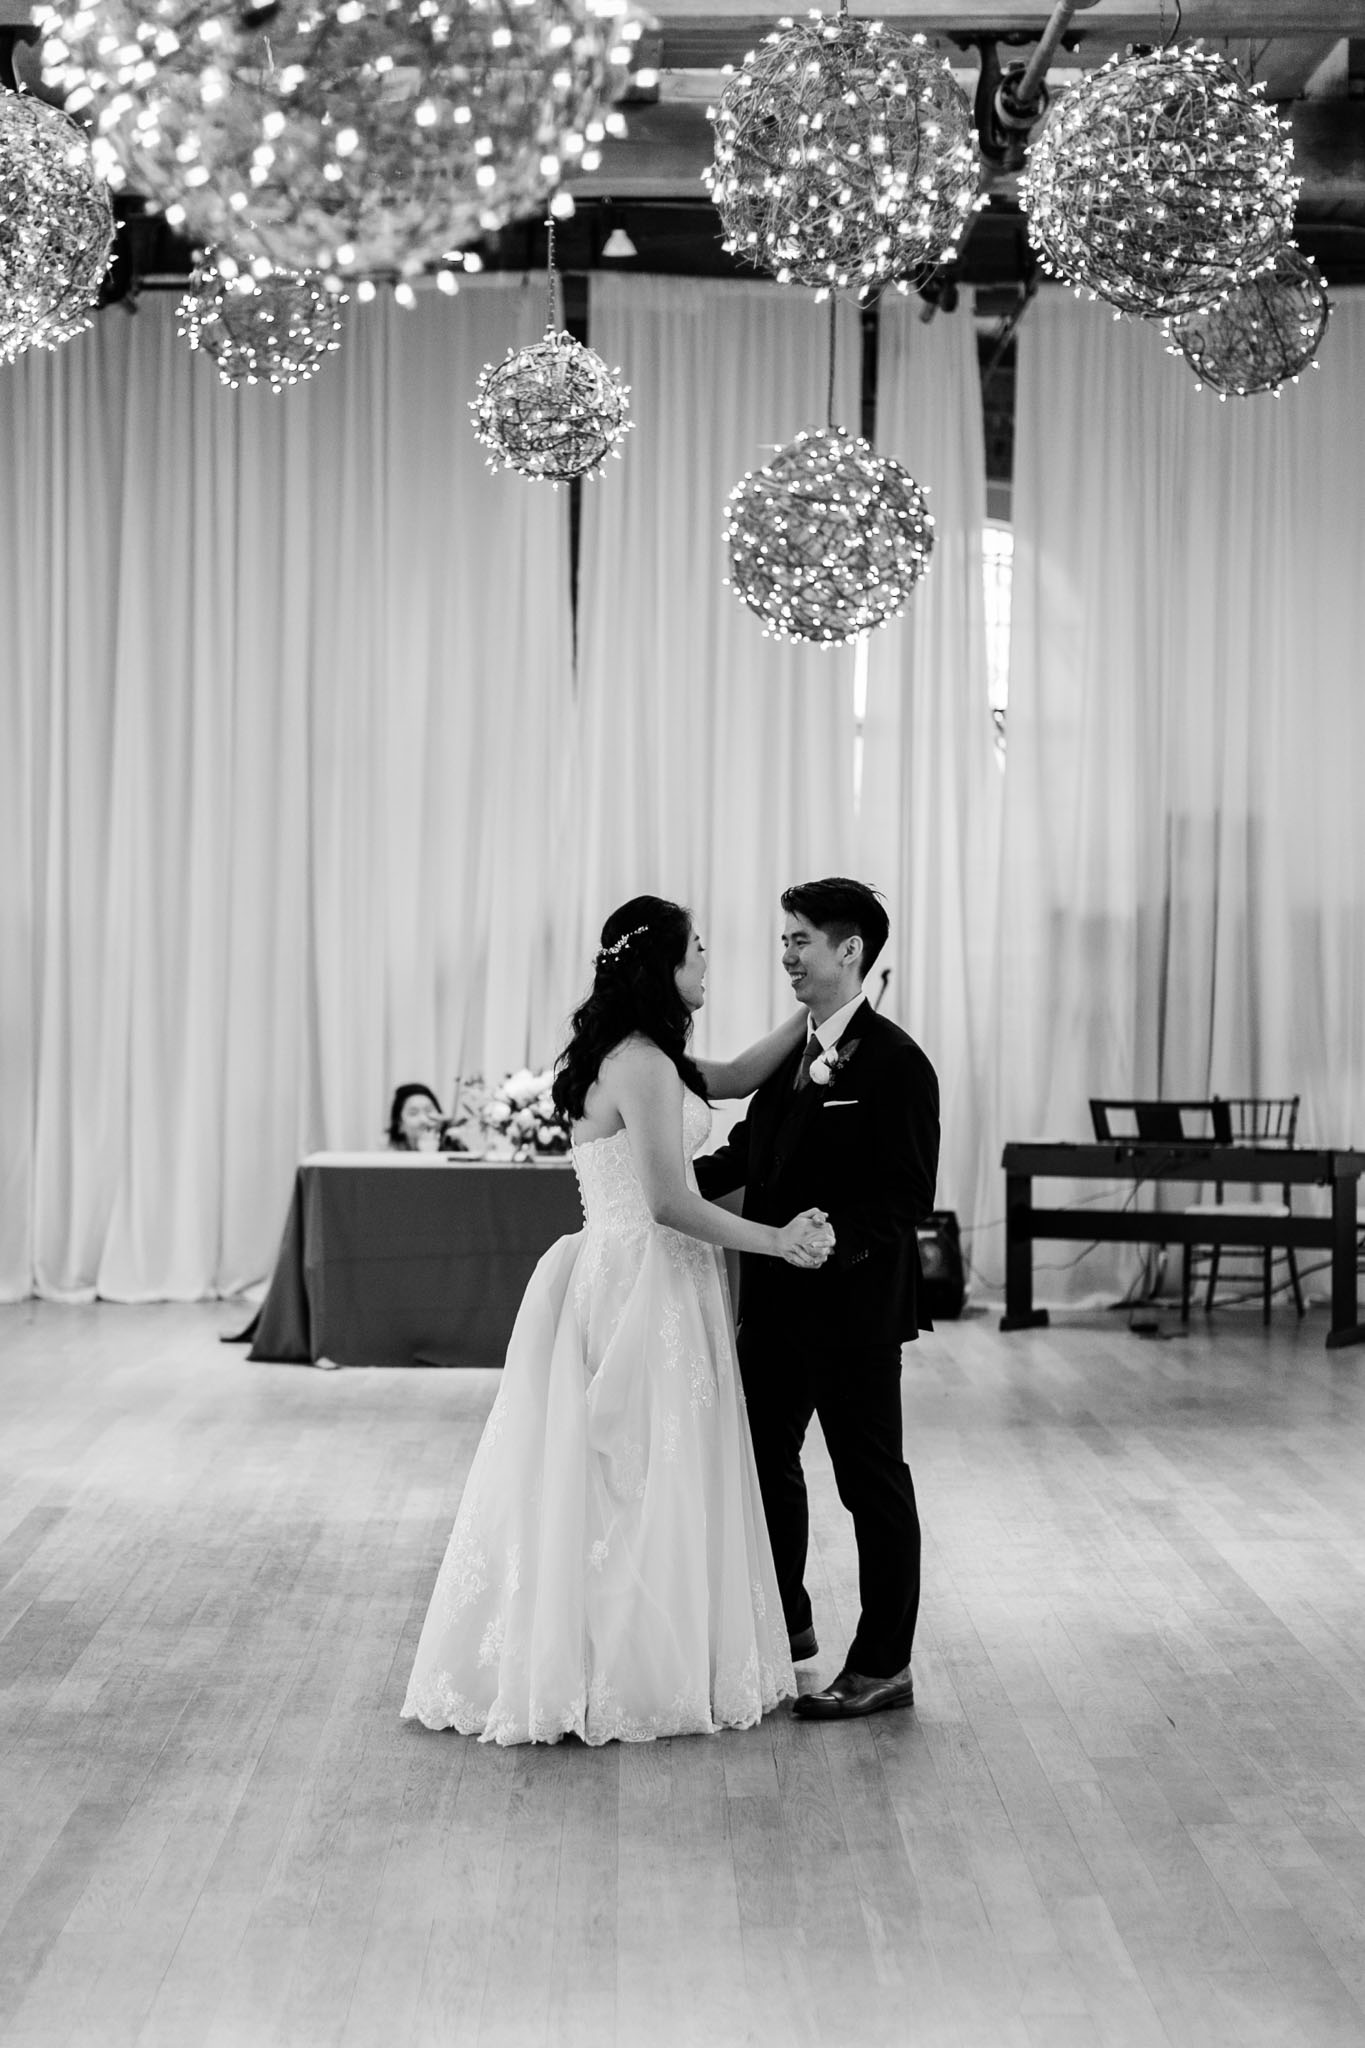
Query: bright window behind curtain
[(716, 765), (929, 810)]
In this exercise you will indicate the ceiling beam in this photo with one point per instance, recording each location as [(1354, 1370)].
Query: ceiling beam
[(1286, 65), (706, 35), (667, 147)]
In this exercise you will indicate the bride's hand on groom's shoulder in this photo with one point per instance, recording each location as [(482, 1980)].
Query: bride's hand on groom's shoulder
[(807, 1240)]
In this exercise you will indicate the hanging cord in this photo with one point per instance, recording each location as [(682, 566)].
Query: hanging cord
[(554, 312), (833, 353), (1167, 40)]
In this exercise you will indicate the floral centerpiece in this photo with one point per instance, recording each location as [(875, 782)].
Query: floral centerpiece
[(515, 1119)]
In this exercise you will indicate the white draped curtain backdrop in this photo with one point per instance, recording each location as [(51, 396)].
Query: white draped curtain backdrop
[(1182, 894), (282, 768), (301, 794), (716, 765)]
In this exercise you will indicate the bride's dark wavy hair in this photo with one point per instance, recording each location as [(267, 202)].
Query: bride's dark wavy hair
[(644, 943)]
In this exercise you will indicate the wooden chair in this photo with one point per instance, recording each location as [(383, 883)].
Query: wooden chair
[(1268, 1122)]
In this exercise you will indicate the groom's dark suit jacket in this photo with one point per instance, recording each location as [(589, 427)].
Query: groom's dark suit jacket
[(865, 1150)]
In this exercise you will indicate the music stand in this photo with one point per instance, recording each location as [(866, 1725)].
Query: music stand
[(1162, 1121)]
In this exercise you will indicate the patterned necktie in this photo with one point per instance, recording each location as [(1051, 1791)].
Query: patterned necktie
[(808, 1059)]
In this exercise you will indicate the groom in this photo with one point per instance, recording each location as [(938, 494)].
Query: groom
[(849, 1126)]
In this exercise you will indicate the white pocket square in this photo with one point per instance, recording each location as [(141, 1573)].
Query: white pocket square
[(841, 1102)]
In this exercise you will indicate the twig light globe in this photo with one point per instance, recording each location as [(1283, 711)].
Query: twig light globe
[(277, 330), (56, 226), (361, 137), (1159, 182), (829, 540), (1263, 334), (552, 411), (845, 156)]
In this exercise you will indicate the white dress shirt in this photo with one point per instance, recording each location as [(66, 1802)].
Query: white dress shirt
[(832, 1030)]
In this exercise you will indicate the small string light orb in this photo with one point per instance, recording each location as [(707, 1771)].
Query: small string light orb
[(1261, 335), (278, 329), (829, 540), (364, 136), (1159, 182), (56, 226), (845, 157), (552, 411)]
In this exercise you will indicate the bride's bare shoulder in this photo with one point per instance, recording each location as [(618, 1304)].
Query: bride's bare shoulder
[(638, 1060)]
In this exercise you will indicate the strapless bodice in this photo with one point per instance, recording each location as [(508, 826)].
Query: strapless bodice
[(608, 1184)]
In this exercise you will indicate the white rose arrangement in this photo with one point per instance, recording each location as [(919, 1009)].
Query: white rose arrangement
[(515, 1119)]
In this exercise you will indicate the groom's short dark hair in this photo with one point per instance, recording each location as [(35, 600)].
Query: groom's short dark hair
[(839, 908)]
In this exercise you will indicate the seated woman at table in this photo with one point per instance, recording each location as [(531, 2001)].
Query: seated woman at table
[(609, 1575), (415, 1119)]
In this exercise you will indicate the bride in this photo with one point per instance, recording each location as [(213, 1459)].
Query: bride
[(609, 1574)]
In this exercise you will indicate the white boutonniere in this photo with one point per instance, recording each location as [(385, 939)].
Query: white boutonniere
[(826, 1065)]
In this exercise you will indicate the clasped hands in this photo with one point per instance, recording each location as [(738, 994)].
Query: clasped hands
[(808, 1239)]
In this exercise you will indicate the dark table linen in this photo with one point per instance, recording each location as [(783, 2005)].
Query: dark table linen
[(420, 1262)]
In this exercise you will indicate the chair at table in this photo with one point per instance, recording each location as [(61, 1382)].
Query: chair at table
[(1269, 1123)]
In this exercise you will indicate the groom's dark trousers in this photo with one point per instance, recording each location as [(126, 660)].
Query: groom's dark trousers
[(828, 1343)]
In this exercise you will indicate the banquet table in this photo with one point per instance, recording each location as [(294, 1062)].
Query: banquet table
[(409, 1258)]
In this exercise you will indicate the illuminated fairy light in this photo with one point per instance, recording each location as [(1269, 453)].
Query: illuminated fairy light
[(552, 411), (829, 540), (56, 226), (370, 137), (1263, 335), (278, 329), (1160, 182), (845, 157)]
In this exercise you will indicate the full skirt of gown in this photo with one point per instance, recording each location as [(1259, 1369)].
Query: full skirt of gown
[(609, 1574)]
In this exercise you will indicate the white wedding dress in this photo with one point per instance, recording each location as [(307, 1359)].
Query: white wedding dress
[(609, 1574)]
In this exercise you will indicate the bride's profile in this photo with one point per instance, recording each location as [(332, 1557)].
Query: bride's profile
[(609, 1575)]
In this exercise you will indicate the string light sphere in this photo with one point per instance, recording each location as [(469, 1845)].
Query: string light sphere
[(1160, 182), (552, 411), (1262, 335), (278, 329), (56, 226), (369, 136), (845, 157), (829, 540)]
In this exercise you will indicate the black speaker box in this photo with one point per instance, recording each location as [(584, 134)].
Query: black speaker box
[(940, 1262)]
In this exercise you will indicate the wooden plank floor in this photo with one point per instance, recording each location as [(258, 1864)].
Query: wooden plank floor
[(1128, 1810)]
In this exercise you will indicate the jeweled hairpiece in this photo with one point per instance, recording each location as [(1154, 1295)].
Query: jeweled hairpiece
[(610, 952)]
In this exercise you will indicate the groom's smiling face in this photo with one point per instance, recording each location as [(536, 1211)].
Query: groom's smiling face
[(822, 970)]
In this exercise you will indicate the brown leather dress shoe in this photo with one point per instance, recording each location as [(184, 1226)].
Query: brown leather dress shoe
[(803, 1645), (853, 1693)]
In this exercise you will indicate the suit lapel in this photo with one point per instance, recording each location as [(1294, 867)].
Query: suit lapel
[(801, 1107)]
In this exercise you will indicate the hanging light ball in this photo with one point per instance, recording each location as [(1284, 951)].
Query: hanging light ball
[(277, 329), (1261, 334), (1159, 182), (552, 411), (369, 136), (845, 156), (56, 226), (829, 540)]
